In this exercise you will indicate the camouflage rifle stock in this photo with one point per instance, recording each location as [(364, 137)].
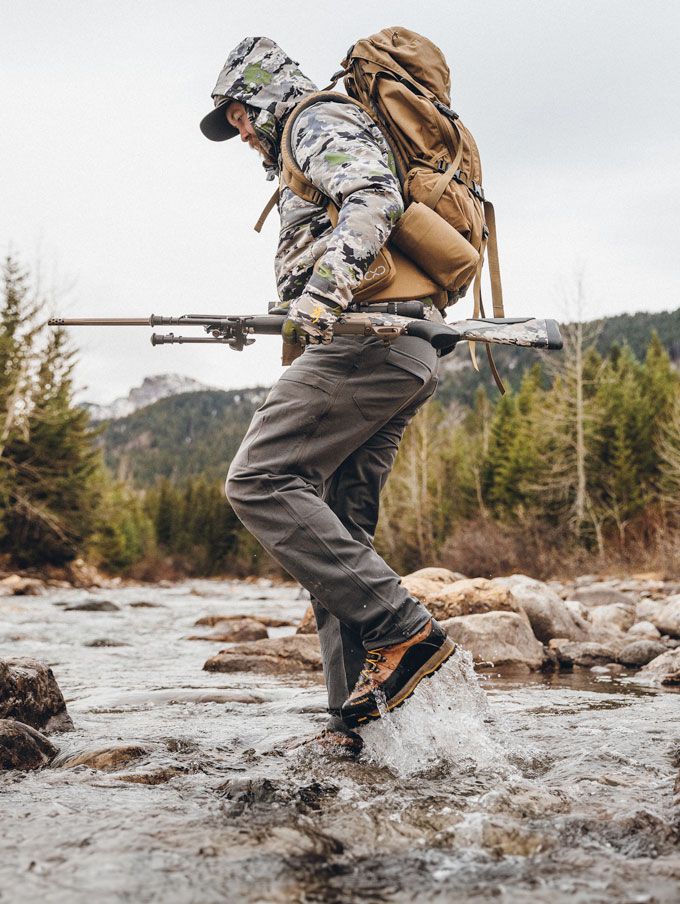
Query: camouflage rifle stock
[(387, 322)]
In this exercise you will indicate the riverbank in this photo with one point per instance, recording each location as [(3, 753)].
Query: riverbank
[(178, 783)]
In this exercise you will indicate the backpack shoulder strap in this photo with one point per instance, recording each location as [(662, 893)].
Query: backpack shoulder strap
[(292, 175)]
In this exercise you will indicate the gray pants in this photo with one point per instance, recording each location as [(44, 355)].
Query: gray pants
[(306, 483)]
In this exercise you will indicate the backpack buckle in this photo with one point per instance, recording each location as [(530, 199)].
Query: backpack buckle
[(446, 111)]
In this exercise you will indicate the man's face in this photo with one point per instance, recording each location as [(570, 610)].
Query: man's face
[(237, 116)]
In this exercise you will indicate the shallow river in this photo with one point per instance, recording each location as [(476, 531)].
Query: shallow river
[(510, 788)]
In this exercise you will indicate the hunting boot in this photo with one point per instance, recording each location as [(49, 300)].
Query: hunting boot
[(394, 672)]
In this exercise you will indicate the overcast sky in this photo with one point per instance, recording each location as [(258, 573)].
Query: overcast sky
[(107, 180)]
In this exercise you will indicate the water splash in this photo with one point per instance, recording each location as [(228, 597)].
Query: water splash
[(445, 723)]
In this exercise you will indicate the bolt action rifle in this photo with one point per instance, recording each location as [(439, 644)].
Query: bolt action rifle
[(385, 321)]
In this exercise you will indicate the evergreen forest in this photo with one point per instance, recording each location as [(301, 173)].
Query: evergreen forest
[(576, 468)]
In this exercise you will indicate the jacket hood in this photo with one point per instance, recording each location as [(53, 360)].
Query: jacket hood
[(260, 74)]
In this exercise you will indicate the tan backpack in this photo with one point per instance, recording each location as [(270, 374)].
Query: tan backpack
[(438, 247)]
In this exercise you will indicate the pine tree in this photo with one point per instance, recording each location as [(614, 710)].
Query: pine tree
[(56, 467)]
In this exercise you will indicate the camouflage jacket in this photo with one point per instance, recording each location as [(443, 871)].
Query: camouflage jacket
[(341, 151)]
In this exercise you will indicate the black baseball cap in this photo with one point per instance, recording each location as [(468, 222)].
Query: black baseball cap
[(215, 125)]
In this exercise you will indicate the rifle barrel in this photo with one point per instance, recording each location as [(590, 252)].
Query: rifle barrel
[(100, 321)]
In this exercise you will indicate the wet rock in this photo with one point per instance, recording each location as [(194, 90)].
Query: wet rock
[(640, 652), (234, 631), (602, 594), (157, 777), (614, 615), (145, 604), (93, 606), (665, 669), (612, 668), (105, 759), (29, 693), (497, 637), (526, 803), (644, 630), (22, 747), (308, 623), (105, 642), (547, 613), (210, 621), (16, 585), (667, 620), (585, 654), (470, 596), (279, 655)]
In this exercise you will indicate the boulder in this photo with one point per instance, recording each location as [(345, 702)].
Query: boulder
[(93, 606), (665, 669), (619, 616), (667, 620), (16, 585), (22, 747), (546, 611), (234, 631), (274, 656), (470, 596), (308, 623), (437, 575), (80, 574), (644, 630), (601, 594), (105, 759), (640, 652), (647, 610), (29, 693), (587, 654), (210, 621), (497, 637)]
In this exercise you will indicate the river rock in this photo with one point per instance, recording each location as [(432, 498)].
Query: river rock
[(234, 631), (667, 620), (644, 630), (210, 621), (470, 596), (619, 616), (497, 637), (80, 574), (437, 575), (640, 652), (647, 609), (93, 606), (105, 759), (22, 747), (665, 669), (585, 654), (29, 693), (547, 614), (17, 585), (601, 594), (308, 623), (274, 656)]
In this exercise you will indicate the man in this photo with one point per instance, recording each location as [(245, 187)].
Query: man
[(307, 478)]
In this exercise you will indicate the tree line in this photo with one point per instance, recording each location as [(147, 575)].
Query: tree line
[(580, 465)]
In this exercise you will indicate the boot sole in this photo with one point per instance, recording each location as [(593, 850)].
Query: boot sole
[(433, 664)]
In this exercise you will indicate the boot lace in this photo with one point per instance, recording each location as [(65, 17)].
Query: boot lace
[(373, 660)]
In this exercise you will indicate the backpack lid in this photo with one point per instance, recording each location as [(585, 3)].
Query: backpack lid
[(409, 56)]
